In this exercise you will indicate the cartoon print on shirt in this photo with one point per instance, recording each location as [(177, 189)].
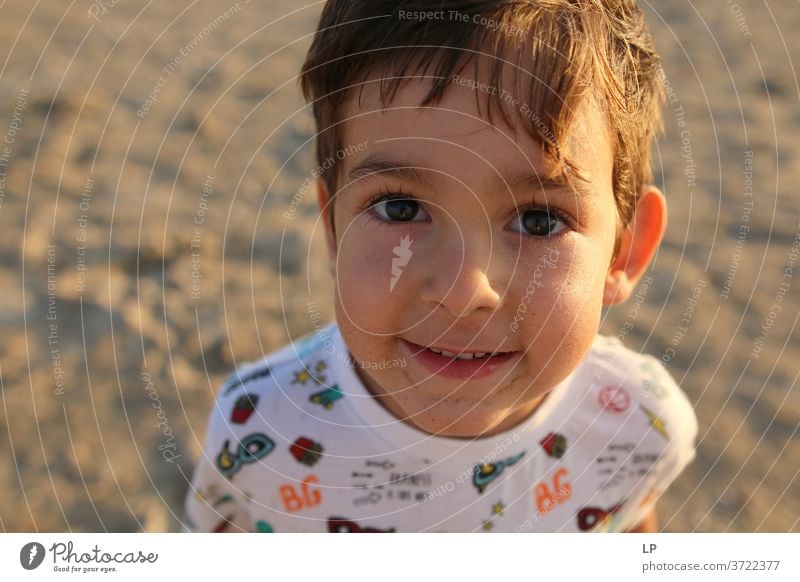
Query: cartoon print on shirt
[(386, 465), (397, 487), (497, 510), (210, 492), (308, 496), (306, 451), (656, 422), (326, 397), (235, 381), (223, 524), (619, 463), (554, 444), (596, 517), (263, 527), (344, 525), (251, 448), (411, 479), (243, 408), (652, 380), (483, 475), (222, 500), (548, 498), (371, 497), (614, 399), (409, 482), (315, 374)]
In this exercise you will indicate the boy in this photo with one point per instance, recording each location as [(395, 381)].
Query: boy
[(483, 184)]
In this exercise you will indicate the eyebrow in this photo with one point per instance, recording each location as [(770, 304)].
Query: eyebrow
[(415, 171)]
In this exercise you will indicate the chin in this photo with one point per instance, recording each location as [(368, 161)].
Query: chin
[(456, 422)]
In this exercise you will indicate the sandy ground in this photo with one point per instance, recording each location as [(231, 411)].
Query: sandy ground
[(102, 210)]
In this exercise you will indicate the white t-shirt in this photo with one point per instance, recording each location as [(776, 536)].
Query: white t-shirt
[(296, 443)]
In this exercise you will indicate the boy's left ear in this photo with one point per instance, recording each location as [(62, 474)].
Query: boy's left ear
[(639, 243)]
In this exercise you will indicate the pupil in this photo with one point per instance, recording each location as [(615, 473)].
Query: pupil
[(402, 210), (539, 222)]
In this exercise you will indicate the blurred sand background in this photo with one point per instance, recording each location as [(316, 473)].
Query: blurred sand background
[(109, 357)]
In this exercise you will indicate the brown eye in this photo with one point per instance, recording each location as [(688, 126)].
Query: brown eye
[(399, 209), (539, 222)]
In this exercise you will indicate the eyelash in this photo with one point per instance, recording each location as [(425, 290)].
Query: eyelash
[(398, 194), (384, 195)]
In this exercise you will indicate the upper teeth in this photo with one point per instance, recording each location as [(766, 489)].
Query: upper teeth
[(462, 356)]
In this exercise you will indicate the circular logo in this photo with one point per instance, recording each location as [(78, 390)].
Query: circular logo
[(31, 555), (614, 398)]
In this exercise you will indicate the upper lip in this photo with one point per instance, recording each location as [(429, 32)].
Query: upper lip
[(455, 350)]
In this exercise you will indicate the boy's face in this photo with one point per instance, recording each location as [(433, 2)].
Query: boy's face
[(463, 260)]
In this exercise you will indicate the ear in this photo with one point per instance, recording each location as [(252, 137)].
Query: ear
[(326, 214), (639, 243)]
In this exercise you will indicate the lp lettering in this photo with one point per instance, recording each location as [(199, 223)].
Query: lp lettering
[(308, 497), (546, 497)]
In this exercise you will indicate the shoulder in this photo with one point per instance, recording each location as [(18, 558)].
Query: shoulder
[(623, 378), (264, 371), (259, 392), (634, 400), (638, 432)]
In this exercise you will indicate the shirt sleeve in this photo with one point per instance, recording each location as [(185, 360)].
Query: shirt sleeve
[(212, 503), (680, 423)]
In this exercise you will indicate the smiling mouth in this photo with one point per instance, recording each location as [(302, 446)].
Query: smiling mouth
[(466, 355), (463, 354), (464, 364)]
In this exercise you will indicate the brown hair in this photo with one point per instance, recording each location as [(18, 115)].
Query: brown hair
[(576, 47)]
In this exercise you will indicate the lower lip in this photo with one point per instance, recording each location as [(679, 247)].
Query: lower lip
[(446, 367)]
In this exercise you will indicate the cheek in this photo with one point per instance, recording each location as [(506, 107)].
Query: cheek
[(558, 300), (363, 273)]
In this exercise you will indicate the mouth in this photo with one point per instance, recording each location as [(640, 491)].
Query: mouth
[(459, 363), (466, 355)]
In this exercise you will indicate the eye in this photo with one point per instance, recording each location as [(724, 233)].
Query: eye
[(539, 222), (398, 208)]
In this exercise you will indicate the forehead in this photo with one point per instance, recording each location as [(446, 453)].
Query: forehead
[(463, 125)]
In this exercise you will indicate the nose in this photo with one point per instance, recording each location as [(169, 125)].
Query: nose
[(461, 269)]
